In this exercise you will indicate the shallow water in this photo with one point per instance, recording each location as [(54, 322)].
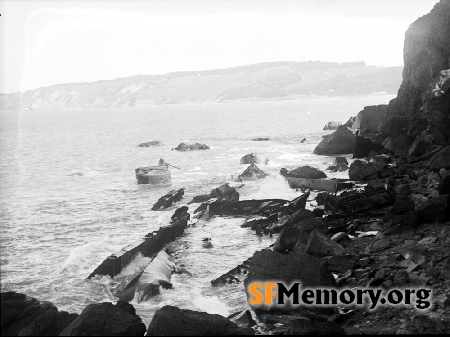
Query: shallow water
[(69, 196)]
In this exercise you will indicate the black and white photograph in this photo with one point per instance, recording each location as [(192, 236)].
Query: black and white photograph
[(224, 167)]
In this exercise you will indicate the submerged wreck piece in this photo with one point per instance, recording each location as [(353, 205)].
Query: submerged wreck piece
[(168, 199), (230, 276), (149, 246), (153, 175), (244, 207), (150, 143), (148, 282)]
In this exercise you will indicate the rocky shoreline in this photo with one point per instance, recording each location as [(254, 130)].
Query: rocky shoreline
[(390, 231)]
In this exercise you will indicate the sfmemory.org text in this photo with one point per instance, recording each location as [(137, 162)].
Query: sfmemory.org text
[(279, 294)]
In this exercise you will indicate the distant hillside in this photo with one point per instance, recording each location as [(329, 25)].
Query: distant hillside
[(252, 82)]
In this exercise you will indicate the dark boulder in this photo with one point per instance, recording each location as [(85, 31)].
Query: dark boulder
[(419, 146), (441, 159), (363, 146), (24, 315), (306, 172), (268, 265), (225, 192), (50, 323), (254, 158), (319, 244), (340, 264), (402, 205), (186, 146), (342, 141), (106, 319), (252, 172), (150, 143), (333, 125), (340, 161), (398, 145), (172, 321), (364, 171), (288, 238), (416, 126), (434, 210), (370, 119)]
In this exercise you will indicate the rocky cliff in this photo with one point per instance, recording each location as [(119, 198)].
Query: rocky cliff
[(272, 80), (423, 100)]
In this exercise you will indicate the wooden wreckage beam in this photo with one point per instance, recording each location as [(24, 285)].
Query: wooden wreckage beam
[(264, 207), (149, 246)]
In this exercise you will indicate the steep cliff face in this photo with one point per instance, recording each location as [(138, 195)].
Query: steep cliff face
[(426, 54)]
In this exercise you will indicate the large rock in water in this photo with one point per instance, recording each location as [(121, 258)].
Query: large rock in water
[(254, 158), (370, 119), (172, 321), (186, 146), (26, 316), (106, 319), (342, 141), (304, 172), (426, 54), (333, 125), (252, 172)]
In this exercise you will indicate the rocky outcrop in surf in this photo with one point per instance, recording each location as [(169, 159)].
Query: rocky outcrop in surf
[(342, 141), (189, 146)]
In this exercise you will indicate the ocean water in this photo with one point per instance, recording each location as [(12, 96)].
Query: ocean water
[(69, 197)]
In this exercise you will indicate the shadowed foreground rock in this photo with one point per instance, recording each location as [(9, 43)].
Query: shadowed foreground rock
[(307, 327), (172, 321), (26, 316), (268, 265), (106, 319)]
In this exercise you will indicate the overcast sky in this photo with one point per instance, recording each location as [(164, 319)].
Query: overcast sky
[(51, 42)]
